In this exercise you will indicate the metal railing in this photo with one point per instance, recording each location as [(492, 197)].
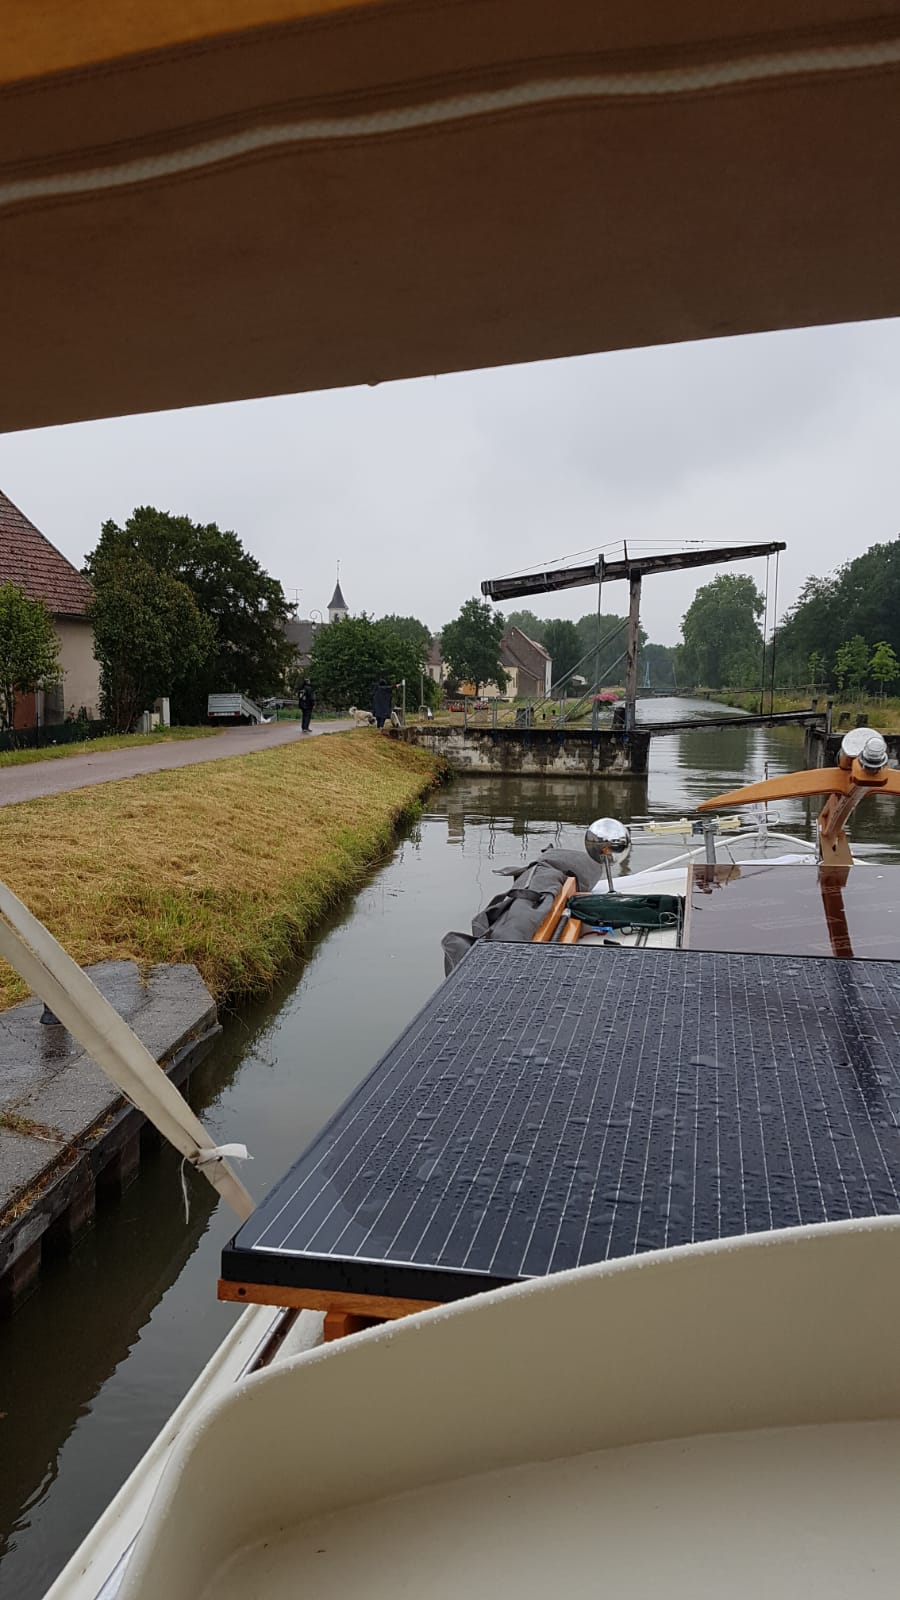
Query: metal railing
[(553, 710)]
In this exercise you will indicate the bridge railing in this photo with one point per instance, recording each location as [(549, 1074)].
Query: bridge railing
[(534, 712)]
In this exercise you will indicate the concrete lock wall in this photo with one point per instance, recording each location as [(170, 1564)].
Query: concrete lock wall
[(541, 752)]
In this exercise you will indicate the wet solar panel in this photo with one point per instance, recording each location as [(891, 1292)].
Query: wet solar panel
[(553, 1106)]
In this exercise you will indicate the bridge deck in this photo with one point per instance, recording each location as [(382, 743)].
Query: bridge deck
[(770, 720)]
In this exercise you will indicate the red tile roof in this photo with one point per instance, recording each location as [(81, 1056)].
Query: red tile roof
[(32, 562)]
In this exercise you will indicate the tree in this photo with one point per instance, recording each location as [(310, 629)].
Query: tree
[(884, 666), (861, 598), (246, 607), (722, 643), (350, 656), (816, 666), (563, 644), (607, 631), (149, 634), (471, 644), (412, 630), (851, 663), (531, 625), (29, 651), (658, 661)]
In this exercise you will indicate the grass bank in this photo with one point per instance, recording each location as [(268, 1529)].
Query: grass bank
[(881, 714), (230, 866), (106, 741)]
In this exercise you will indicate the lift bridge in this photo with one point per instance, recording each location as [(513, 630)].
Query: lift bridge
[(633, 569)]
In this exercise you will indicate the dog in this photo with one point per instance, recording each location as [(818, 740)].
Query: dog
[(362, 719)]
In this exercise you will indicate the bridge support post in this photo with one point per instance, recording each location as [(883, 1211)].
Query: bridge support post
[(634, 618)]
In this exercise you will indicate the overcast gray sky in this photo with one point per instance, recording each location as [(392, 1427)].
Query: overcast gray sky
[(422, 489)]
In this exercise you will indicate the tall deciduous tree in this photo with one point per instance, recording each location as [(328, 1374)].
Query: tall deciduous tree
[(412, 630), (531, 625), (471, 645), (563, 644), (658, 661), (149, 634), (29, 650), (861, 598), (603, 642), (246, 607), (720, 629), (349, 658)]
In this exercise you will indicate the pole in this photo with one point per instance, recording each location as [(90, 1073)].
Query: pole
[(599, 623), (631, 654)]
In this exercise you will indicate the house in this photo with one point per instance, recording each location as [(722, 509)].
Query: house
[(434, 666), (528, 667), (35, 565), (301, 632)]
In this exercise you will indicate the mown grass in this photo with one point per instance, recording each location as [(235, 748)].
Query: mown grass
[(881, 714), (105, 741), (229, 866)]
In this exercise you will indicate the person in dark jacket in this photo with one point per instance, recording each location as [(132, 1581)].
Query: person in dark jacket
[(381, 703), (306, 702)]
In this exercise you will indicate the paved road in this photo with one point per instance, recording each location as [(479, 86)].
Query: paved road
[(29, 782)]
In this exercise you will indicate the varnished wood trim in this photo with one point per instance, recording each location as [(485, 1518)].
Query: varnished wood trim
[(360, 1305)]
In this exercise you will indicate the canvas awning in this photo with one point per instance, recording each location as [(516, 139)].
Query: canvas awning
[(217, 199)]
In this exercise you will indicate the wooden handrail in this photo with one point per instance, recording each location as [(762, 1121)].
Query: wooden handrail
[(548, 927)]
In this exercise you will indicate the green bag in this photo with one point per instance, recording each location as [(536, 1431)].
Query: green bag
[(627, 910)]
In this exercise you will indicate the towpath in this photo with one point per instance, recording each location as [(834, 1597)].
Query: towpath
[(39, 778)]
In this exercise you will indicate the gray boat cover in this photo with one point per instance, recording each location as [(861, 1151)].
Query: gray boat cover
[(516, 913)]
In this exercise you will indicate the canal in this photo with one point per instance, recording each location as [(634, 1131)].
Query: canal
[(94, 1363)]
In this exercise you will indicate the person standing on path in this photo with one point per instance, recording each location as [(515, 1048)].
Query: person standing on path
[(381, 703), (306, 702)]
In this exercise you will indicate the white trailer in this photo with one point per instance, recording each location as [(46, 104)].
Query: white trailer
[(233, 708)]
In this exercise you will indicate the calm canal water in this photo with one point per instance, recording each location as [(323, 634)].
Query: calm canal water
[(95, 1362)]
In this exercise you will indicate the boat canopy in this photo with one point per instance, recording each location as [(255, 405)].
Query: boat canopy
[(218, 199)]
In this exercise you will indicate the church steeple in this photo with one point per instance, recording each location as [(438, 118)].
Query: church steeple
[(338, 608)]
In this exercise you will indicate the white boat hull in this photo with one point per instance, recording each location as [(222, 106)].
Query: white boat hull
[(719, 1419)]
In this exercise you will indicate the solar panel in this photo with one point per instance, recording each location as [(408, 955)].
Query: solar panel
[(553, 1106)]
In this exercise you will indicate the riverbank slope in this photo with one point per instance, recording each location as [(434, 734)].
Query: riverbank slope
[(881, 714), (229, 865)]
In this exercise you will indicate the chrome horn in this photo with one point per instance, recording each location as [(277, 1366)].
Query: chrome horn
[(605, 841)]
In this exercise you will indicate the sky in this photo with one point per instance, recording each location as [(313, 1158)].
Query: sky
[(424, 488)]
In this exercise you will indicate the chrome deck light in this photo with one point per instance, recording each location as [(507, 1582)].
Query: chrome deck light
[(605, 841), (865, 745)]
